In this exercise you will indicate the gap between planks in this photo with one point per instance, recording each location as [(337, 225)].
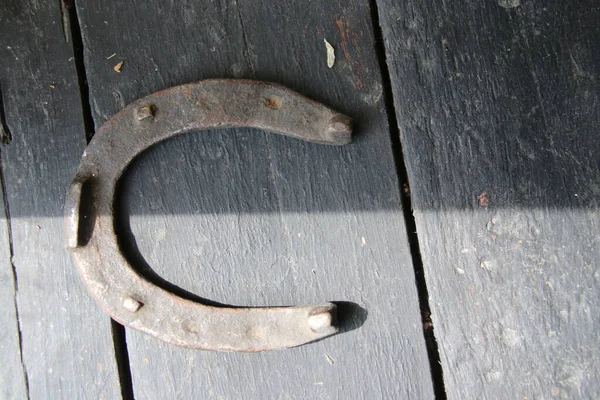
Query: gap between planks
[(437, 373), (118, 330)]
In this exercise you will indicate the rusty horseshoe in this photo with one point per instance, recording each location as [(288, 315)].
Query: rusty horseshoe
[(90, 227)]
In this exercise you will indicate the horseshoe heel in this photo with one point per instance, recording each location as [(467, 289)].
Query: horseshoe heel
[(90, 229)]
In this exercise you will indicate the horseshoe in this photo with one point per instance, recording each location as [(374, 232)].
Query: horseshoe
[(90, 227)]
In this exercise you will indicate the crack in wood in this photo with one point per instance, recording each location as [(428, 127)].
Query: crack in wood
[(120, 344), (78, 54), (64, 19), (14, 274), (5, 133), (247, 52), (437, 374)]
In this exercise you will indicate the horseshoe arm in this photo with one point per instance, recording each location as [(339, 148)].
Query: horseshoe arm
[(90, 229)]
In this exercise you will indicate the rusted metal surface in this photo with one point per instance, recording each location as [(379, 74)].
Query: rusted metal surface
[(90, 229)]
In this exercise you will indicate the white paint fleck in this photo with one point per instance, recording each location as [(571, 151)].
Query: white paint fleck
[(492, 376), (510, 337), (487, 265), (460, 271), (330, 54), (509, 3)]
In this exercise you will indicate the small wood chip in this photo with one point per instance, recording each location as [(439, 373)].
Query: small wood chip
[(484, 199), (330, 53), (330, 359), (52, 87), (118, 67)]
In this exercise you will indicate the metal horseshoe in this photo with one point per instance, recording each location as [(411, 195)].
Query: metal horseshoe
[(90, 228)]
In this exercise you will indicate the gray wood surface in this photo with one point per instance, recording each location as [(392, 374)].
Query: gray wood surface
[(244, 218), (499, 105), (67, 348), (12, 371)]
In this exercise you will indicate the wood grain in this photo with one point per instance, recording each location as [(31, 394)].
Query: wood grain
[(498, 107), (241, 217), (12, 372), (67, 348)]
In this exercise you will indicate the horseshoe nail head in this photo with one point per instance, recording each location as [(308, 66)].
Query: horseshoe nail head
[(90, 229), (145, 112)]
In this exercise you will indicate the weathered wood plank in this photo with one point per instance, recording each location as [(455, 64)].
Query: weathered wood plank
[(66, 341), (12, 371), (245, 218), (499, 107)]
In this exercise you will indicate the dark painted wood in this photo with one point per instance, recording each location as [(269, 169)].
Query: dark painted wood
[(67, 348), (498, 103), (242, 217)]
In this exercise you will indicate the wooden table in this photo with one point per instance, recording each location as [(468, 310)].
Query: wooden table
[(460, 231)]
